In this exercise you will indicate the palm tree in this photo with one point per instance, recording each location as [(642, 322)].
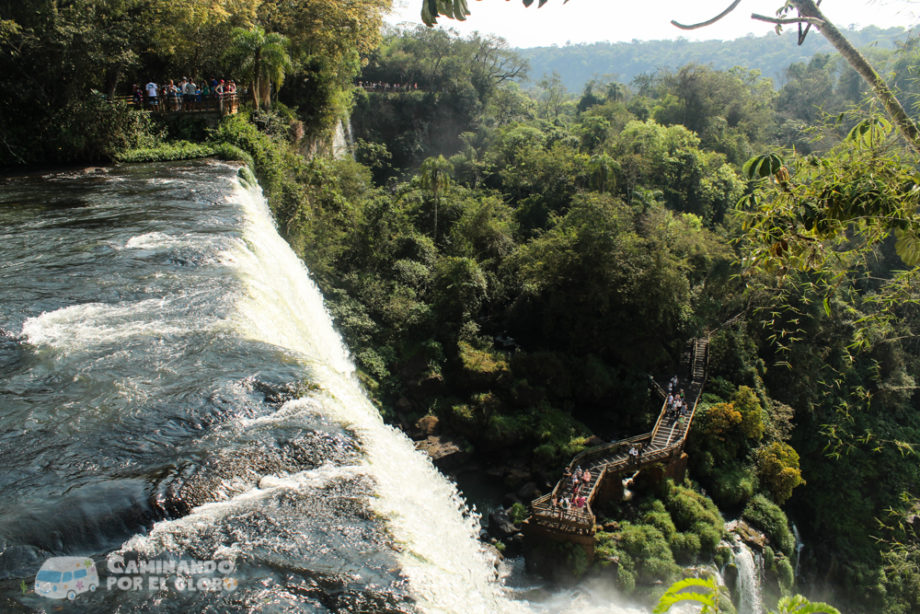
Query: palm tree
[(434, 177), (262, 59)]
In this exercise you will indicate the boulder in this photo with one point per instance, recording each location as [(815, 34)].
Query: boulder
[(528, 492), (427, 425), (500, 525), (445, 453)]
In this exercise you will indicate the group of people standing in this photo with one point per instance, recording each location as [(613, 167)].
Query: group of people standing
[(387, 87), (184, 95), (676, 405), (574, 491), (576, 484)]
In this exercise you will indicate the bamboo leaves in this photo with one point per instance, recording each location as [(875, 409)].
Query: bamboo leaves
[(454, 9)]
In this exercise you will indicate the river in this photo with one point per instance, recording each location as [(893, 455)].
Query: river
[(172, 390)]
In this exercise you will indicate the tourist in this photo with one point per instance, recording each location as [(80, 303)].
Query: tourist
[(137, 95), (586, 476), (152, 94), (634, 453)]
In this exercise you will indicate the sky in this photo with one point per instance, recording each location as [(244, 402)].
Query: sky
[(587, 21)]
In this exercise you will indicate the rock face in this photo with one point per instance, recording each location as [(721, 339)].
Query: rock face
[(445, 453), (427, 425), (500, 525)]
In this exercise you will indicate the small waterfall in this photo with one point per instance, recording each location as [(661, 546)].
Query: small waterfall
[(799, 544), (341, 140), (750, 571)]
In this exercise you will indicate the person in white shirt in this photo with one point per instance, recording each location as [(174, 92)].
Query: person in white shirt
[(152, 93)]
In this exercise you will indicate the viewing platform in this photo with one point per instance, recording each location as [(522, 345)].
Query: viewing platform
[(609, 463), (215, 104)]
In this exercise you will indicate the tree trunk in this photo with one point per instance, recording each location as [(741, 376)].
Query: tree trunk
[(906, 126), (256, 79)]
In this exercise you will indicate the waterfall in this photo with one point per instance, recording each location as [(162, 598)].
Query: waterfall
[(749, 574), (799, 545), (341, 140), (207, 409), (447, 567)]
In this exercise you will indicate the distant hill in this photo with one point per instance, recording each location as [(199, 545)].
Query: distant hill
[(771, 54)]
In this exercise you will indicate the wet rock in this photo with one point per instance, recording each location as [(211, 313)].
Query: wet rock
[(500, 525), (445, 453), (748, 534), (221, 475), (427, 425), (528, 492), (510, 499)]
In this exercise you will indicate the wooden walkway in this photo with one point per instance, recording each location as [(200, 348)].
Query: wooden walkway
[(612, 461), (216, 104)]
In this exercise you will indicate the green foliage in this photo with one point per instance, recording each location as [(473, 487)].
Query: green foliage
[(696, 514), (518, 513), (778, 468), (641, 553), (768, 517), (706, 595), (800, 605), (732, 486)]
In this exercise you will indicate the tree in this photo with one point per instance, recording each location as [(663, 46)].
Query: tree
[(808, 13), (263, 59), (434, 177), (778, 467)]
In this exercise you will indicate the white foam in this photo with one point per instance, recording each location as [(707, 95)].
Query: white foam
[(173, 535), (447, 567), (87, 325)]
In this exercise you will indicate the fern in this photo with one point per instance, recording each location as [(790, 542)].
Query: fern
[(673, 595), (800, 605)]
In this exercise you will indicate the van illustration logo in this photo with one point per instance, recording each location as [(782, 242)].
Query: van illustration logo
[(66, 576)]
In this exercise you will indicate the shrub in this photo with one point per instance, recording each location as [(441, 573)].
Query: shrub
[(518, 513), (697, 514), (733, 486), (768, 517), (785, 574), (685, 547), (658, 517), (778, 468), (649, 549)]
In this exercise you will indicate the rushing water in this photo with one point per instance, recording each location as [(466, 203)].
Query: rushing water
[(749, 574), (172, 389)]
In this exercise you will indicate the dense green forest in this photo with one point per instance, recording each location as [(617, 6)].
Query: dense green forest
[(576, 65), (517, 263)]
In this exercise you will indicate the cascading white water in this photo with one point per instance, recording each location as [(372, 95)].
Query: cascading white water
[(448, 569), (267, 304), (749, 574), (340, 141), (799, 544)]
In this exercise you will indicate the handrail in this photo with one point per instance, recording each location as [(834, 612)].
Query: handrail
[(583, 520), (660, 418), (604, 447)]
